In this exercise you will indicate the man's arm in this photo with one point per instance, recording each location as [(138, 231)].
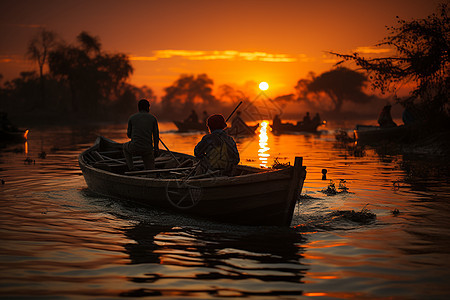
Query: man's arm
[(129, 128), (199, 149), (156, 138)]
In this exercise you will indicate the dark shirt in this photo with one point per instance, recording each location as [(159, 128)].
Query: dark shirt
[(143, 131), (213, 141)]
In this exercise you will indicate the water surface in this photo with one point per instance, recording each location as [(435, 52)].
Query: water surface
[(61, 241)]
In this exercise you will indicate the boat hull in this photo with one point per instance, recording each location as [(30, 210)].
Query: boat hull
[(190, 126), (13, 136), (374, 134), (289, 128), (262, 198)]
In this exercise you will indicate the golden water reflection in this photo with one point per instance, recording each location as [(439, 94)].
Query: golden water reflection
[(263, 149)]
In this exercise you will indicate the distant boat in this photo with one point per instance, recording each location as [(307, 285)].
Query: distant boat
[(252, 196), (240, 128), (369, 134), (186, 126), (16, 135), (9, 132), (280, 127)]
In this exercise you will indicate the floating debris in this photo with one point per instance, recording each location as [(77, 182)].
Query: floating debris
[(343, 137), (42, 155), (342, 186), (306, 197), (278, 165), (29, 161), (331, 188), (364, 216)]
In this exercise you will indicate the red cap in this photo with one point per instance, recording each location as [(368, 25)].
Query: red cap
[(216, 122)]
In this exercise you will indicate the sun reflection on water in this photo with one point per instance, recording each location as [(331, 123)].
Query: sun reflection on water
[(263, 149)]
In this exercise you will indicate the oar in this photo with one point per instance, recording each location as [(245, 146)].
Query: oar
[(169, 151)]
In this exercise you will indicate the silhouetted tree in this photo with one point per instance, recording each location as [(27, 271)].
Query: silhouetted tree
[(229, 94), (285, 98), (421, 58), (187, 93), (20, 92), (94, 77), (89, 44), (38, 50), (127, 98), (302, 86), (340, 85)]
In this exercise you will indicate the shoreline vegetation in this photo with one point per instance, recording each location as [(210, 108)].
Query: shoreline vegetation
[(85, 85), (433, 141)]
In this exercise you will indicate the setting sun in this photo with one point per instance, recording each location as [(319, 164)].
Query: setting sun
[(263, 86)]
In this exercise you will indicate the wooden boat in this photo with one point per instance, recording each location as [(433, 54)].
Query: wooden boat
[(242, 130), (299, 127), (9, 132), (15, 135), (368, 134), (251, 196), (190, 126)]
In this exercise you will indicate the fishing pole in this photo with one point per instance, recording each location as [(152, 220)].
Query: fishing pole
[(173, 156), (233, 111)]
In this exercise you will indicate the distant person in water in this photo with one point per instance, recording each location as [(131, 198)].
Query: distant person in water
[(217, 149), (193, 117), (144, 134), (385, 118)]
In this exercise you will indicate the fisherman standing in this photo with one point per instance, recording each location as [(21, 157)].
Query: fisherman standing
[(217, 149), (144, 134)]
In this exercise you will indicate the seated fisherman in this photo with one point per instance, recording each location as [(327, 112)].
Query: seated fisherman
[(385, 118), (193, 117), (144, 134), (217, 149), (276, 121), (316, 120)]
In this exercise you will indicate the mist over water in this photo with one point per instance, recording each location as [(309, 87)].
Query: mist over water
[(61, 241)]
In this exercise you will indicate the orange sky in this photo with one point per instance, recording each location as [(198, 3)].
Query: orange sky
[(234, 42)]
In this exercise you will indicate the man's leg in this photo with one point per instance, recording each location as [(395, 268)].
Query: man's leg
[(149, 160), (128, 156)]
